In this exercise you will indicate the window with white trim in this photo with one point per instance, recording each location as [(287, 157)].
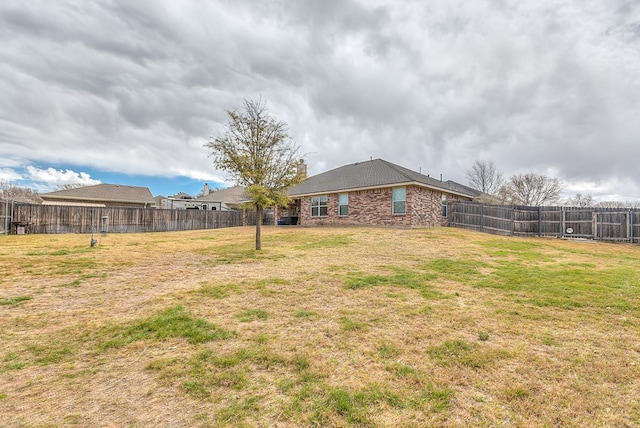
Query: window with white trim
[(319, 206), (343, 204), (399, 200), (444, 205)]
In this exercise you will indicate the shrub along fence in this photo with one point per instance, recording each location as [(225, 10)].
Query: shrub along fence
[(606, 224), (32, 218)]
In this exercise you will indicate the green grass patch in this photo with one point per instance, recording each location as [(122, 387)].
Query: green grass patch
[(239, 412), (402, 278), (358, 407), (51, 353), (403, 370), (13, 361), (515, 393), (524, 250), (174, 322), (463, 271), (387, 351), (459, 352), (70, 266), (14, 301), (348, 324), (196, 388), (249, 315), (219, 291), (566, 286), (208, 371), (61, 252), (42, 354), (307, 399), (304, 313)]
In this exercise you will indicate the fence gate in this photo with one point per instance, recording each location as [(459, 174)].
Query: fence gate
[(614, 226)]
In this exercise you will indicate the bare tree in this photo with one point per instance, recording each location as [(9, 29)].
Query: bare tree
[(531, 190), (580, 200), (256, 151), (618, 204), (69, 186), (11, 191), (611, 204), (485, 177)]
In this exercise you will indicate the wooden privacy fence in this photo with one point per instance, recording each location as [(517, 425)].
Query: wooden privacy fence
[(32, 218), (606, 224)]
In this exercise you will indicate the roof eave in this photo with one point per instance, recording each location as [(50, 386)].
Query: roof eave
[(77, 198), (383, 186)]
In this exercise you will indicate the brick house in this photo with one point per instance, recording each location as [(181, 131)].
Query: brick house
[(375, 192)]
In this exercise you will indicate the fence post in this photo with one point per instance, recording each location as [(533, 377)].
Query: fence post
[(6, 217), (539, 221), (513, 220), (482, 217)]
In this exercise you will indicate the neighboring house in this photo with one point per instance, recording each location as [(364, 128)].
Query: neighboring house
[(107, 195), (179, 201), (374, 192), (212, 200), (224, 199)]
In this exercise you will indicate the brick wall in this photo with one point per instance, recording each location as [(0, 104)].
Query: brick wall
[(423, 208)]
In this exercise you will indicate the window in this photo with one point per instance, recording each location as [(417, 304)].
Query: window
[(343, 204), (319, 206), (444, 205), (399, 200)]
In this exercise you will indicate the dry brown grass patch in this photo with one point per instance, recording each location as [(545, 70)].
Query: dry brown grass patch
[(330, 327)]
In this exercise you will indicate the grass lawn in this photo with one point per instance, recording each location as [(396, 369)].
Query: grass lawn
[(323, 327)]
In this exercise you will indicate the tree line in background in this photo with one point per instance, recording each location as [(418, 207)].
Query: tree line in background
[(528, 189)]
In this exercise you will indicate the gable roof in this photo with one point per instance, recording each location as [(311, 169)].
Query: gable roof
[(181, 195), (374, 173), (105, 192), (231, 195)]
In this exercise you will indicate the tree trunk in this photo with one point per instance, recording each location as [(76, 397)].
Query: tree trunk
[(259, 210)]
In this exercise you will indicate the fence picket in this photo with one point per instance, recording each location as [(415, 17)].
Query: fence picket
[(606, 224), (56, 219)]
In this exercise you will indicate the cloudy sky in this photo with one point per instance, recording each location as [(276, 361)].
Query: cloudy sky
[(129, 92)]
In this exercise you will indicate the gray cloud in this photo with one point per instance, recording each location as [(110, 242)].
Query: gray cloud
[(140, 86)]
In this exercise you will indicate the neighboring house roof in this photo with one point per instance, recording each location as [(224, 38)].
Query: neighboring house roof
[(104, 193), (181, 195), (370, 174), (75, 204), (230, 196)]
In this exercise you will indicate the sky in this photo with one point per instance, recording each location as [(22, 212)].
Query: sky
[(129, 92)]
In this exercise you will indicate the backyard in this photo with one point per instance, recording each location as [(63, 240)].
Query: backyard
[(324, 327)]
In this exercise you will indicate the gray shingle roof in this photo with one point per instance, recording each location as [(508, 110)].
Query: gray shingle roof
[(105, 192), (371, 174), (231, 195)]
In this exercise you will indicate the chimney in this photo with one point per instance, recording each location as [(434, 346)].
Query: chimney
[(302, 168), (205, 190)]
